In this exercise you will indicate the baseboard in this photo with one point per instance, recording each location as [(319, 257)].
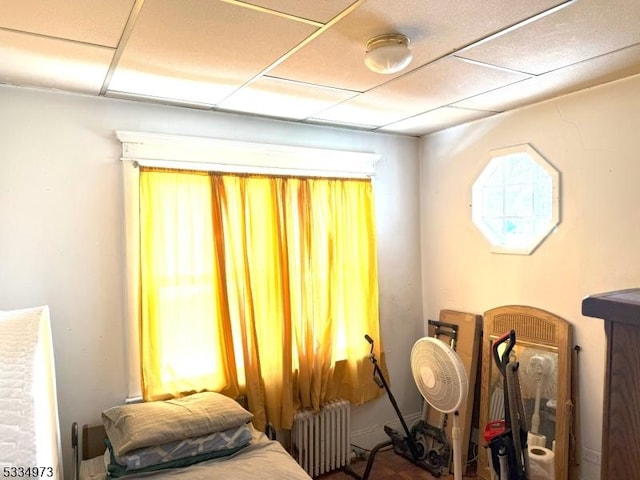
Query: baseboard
[(369, 437)]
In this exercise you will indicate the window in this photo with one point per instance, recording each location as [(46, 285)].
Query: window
[(515, 200), (287, 263)]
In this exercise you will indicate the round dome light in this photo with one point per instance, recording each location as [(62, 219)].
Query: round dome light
[(388, 53)]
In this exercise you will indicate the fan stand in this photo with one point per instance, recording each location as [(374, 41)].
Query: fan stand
[(457, 446), (450, 369), (451, 331), (540, 368)]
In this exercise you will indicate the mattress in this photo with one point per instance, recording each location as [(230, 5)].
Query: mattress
[(29, 426), (263, 459)]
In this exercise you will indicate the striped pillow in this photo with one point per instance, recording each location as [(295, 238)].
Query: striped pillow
[(180, 453)]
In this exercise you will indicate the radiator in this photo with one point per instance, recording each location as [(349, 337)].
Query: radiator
[(496, 407), (321, 440)]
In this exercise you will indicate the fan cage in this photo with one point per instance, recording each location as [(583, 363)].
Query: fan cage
[(439, 374)]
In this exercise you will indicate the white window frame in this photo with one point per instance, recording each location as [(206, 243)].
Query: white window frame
[(500, 243), (197, 153)]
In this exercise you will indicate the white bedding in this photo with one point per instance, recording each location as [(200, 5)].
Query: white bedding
[(29, 425), (262, 459)]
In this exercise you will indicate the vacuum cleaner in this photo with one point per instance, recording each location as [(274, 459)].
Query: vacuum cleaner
[(507, 439)]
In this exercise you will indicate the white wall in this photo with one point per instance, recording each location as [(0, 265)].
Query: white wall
[(62, 237), (592, 138)]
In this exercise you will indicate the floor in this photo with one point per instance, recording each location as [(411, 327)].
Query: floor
[(388, 465)]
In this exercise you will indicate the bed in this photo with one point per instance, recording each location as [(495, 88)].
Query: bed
[(199, 437), (29, 425)]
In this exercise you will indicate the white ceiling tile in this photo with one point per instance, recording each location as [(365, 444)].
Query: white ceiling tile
[(358, 111), (201, 50), (438, 84), (170, 88), (212, 54), (356, 126), (159, 100), (32, 60), (435, 29), (583, 30), (283, 98), (434, 120), (317, 11), (98, 22), (606, 68)]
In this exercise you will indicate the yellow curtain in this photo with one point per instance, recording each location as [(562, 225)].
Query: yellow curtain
[(185, 340), (334, 288), (294, 274)]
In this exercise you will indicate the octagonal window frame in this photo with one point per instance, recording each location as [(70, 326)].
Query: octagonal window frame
[(533, 217)]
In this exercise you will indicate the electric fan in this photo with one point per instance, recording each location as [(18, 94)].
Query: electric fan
[(442, 381), (539, 381)]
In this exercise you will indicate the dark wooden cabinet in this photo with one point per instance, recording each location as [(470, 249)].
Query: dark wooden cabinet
[(620, 311)]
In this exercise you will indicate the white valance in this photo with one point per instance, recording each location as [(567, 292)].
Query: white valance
[(213, 154)]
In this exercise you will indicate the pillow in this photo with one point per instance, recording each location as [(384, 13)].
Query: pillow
[(147, 424), (181, 453), (214, 442), (117, 471)]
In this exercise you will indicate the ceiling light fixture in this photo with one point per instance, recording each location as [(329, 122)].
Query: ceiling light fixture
[(388, 53)]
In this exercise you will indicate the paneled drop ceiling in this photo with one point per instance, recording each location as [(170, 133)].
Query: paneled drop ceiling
[(302, 60)]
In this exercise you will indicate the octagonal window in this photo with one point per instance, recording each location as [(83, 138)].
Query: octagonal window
[(515, 200)]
